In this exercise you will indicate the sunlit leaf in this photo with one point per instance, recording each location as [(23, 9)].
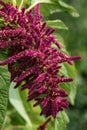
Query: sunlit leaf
[(16, 101), (57, 24), (35, 2), (40, 1)]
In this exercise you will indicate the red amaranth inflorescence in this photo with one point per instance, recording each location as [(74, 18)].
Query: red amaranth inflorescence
[(32, 58)]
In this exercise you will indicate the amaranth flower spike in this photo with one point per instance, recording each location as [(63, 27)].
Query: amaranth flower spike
[(32, 58)]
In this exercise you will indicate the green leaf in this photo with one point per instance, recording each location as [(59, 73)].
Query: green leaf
[(69, 71), (4, 77), (3, 104), (67, 86), (17, 127), (40, 1), (58, 24), (58, 6), (59, 123), (4, 87), (35, 2), (16, 101), (50, 8), (34, 115), (68, 8), (4, 74), (29, 113)]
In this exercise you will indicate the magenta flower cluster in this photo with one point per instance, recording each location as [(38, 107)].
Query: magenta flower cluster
[(33, 62)]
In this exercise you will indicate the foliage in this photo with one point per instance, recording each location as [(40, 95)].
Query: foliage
[(20, 114), (4, 87)]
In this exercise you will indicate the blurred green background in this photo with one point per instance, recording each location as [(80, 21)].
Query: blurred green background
[(76, 41)]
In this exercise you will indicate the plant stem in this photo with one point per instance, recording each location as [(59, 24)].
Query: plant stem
[(30, 8), (14, 2), (21, 4)]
